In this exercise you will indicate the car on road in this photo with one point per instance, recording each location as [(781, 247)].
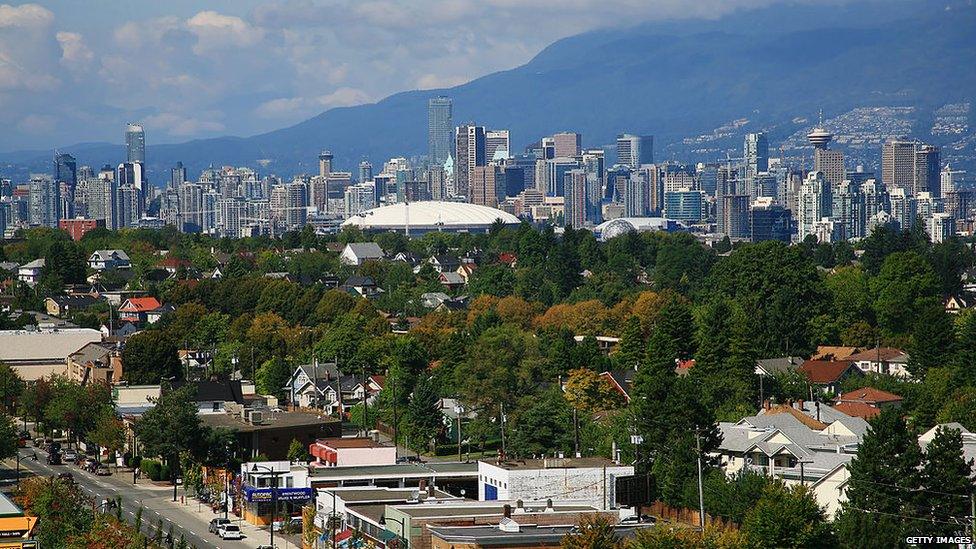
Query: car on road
[(230, 531), (637, 519), (292, 524), (102, 470), (216, 523), (54, 458), (70, 456)]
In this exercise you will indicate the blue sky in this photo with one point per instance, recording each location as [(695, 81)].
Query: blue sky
[(74, 71)]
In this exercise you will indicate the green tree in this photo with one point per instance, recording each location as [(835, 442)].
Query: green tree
[(904, 281), (932, 338), (947, 481), (150, 356), (589, 392), (11, 387), (787, 517), (8, 437), (108, 432), (541, 424), (171, 426), (594, 532), (423, 414), (297, 451), (882, 488), (493, 279), (272, 376), (630, 350)]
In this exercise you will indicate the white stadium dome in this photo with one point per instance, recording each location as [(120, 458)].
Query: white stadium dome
[(431, 215)]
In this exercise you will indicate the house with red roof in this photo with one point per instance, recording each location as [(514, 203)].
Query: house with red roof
[(882, 360), (828, 374), (866, 402), (137, 309)]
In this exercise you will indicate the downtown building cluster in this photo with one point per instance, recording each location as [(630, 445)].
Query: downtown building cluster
[(554, 180)]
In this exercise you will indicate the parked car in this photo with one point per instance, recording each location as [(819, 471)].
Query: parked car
[(230, 531), (293, 524), (102, 470), (216, 523), (70, 456), (54, 458), (637, 519)]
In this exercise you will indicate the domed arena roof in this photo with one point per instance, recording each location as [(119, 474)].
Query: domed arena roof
[(430, 215)]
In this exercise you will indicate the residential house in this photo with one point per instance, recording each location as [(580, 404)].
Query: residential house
[(831, 352), (459, 303), (621, 380), (466, 270), (357, 253), (362, 286), (451, 280), (8, 267), (95, 363), (955, 304), (172, 265), (866, 402), (605, 343), (508, 258), (213, 397), (431, 300), (65, 305), (193, 359), (30, 273), (968, 440), (309, 385), (788, 444), (771, 367), (154, 315), (882, 360), (444, 263), (829, 374), (136, 309), (409, 258), (102, 260)]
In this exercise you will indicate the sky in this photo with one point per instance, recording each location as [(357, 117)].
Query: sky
[(73, 72)]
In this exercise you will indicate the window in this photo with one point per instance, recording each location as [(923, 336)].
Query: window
[(216, 406)]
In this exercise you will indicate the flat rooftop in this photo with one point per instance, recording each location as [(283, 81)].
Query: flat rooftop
[(400, 470), (381, 494), (357, 442), (556, 463), (275, 421)]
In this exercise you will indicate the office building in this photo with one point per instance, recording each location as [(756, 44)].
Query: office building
[(44, 200), (574, 185), (847, 210), (928, 174), (634, 151), (634, 195), (951, 180), (135, 143), (707, 176), (902, 207), (487, 185), (566, 144), (66, 170), (325, 164), (815, 204), (756, 153), (440, 130), (770, 221), (191, 208), (898, 165), (497, 146), (555, 172), (939, 226), (177, 176), (469, 154), (684, 205)]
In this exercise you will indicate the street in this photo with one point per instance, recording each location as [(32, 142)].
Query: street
[(190, 519)]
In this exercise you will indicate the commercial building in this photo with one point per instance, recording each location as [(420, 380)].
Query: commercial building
[(684, 205), (431, 216), (634, 151), (36, 354), (77, 228), (440, 128), (567, 144), (770, 221), (583, 480), (469, 153), (351, 452), (135, 143)]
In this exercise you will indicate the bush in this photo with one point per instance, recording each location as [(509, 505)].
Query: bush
[(134, 461), (165, 473), (151, 468)]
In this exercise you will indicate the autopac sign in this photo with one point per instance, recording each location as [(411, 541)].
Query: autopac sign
[(259, 495)]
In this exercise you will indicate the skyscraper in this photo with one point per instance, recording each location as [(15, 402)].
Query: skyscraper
[(756, 153), (567, 144), (135, 143), (440, 127), (45, 200), (927, 170), (898, 165), (365, 171), (496, 143), (574, 184), (487, 183), (177, 176), (829, 162), (635, 150), (815, 203), (325, 164), (66, 170), (469, 154)]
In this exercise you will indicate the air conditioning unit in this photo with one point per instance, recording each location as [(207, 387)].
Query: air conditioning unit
[(255, 417)]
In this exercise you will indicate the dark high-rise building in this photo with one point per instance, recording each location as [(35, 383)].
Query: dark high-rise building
[(928, 176), (769, 221), (135, 143), (177, 176), (756, 153), (440, 127), (66, 170), (469, 154), (635, 150)]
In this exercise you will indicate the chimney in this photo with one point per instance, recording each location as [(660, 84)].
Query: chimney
[(507, 511), (519, 504), (549, 505)]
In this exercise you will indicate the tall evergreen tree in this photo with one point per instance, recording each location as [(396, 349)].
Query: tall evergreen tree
[(882, 489), (947, 481), (423, 416), (630, 351)]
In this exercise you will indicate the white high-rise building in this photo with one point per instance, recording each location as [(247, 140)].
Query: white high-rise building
[(814, 204), (359, 198), (45, 200)]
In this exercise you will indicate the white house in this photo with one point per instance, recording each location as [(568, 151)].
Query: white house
[(30, 273), (101, 260), (583, 480), (356, 253)]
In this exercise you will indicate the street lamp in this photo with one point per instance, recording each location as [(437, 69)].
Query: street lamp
[(403, 529), (274, 492)]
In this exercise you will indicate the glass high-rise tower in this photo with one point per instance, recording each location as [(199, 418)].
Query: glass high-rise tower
[(135, 143), (440, 129)]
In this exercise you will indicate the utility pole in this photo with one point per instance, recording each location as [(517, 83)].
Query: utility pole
[(396, 421), (502, 408), (701, 496), (576, 446), (365, 406)]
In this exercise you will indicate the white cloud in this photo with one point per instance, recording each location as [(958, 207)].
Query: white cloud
[(37, 123), (432, 81), (215, 31), (74, 51), (25, 16), (290, 107), (177, 124)]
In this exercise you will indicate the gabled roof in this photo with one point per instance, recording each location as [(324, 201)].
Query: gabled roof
[(827, 352), (869, 395), (36, 264), (91, 352), (857, 409), (826, 371), (140, 304), (884, 354), (450, 277), (803, 418), (365, 250), (106, 255), (779, 365)]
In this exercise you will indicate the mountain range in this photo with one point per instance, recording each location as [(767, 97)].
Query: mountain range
[(774, 66)]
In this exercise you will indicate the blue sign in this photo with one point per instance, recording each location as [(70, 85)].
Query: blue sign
[(253, 494)]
